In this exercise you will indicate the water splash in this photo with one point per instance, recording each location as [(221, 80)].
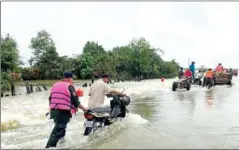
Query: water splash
[(33, 128)]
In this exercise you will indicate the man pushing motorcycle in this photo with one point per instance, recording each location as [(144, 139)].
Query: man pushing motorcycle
[(98, 90)]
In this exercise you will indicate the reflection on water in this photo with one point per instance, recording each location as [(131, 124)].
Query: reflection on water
[(148, 107), (159, 118), (209, 98)]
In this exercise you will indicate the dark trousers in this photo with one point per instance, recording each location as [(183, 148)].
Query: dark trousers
[(61, 118), (207, 81), (204, 82), (193, 77)]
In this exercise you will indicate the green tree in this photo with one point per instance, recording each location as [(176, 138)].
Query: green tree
[(10, 59), (93, 48), (90, 59), (67, 63), (138, 59), (45, 56), (5, 82), (87, 63)]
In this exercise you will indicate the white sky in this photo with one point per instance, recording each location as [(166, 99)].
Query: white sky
[(207, 33)]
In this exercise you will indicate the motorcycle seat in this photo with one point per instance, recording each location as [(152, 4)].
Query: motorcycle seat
[(99, 115), (102, 110)]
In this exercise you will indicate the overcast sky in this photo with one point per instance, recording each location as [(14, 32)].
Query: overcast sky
[(207, 33)]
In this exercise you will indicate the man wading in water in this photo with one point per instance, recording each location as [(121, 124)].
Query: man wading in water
[(63, 103)]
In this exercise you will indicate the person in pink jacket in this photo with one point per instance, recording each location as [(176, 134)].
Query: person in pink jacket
[(63, 103), (219, 68)]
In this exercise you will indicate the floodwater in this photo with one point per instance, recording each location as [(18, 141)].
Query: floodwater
[(158, 118)]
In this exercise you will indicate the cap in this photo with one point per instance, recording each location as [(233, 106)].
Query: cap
[(68, 75)]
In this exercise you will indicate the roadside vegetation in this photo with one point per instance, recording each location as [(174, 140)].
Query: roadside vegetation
[(135, 61)]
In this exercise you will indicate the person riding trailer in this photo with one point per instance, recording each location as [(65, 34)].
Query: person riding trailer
[(180, 73), (219, 68), (188, 73)]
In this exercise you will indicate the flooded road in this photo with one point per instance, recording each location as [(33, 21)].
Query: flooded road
[(159, 118)]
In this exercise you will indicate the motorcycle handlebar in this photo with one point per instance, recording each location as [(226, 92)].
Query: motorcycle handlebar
[(111, 95), (108, 95)]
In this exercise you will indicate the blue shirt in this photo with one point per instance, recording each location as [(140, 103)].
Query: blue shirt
[(192, 68)]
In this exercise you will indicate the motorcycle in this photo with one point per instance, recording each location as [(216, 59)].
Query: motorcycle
[(100, 117), (197, 80), (183, 82)]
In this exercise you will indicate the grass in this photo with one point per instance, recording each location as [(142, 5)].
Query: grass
[(12, 124)]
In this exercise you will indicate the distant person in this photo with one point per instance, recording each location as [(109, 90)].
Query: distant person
[(180, 73), (192, 69), (92, 79), (230, 71), (235, 72), (63, 103), (219, 68), (188, 73), (208, 76)]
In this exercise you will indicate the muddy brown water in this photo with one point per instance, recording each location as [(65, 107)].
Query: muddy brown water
[(158, 118)]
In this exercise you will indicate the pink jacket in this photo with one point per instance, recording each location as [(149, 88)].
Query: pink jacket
[(61, 97), (219, 69)]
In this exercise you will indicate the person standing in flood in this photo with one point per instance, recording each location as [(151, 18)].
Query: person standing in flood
[(63, 103), (208, 77)]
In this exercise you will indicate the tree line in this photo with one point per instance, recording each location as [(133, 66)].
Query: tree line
[(136, 60)]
